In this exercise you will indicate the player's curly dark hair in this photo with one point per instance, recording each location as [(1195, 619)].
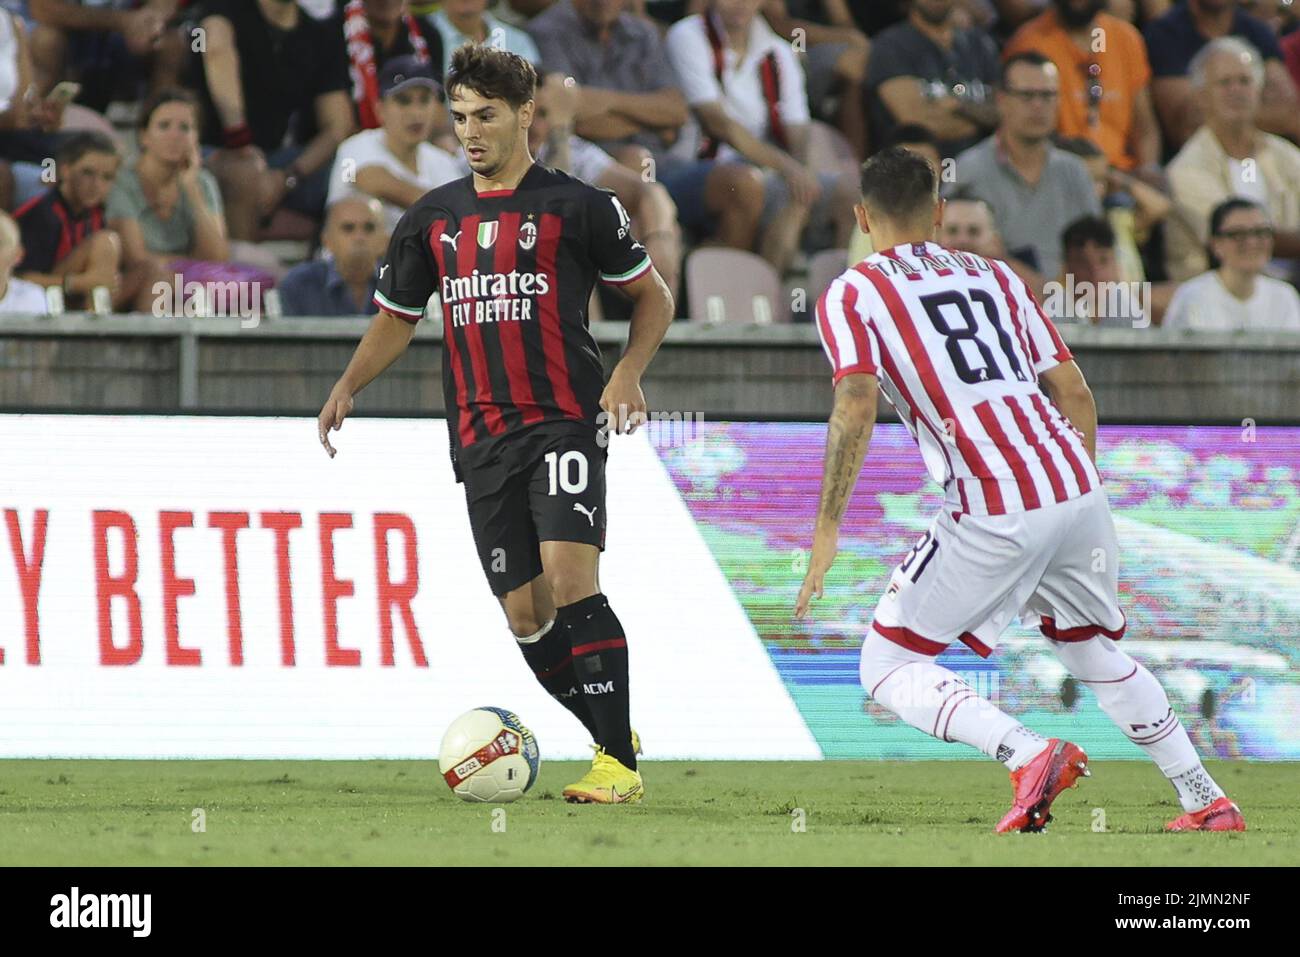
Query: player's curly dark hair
[(493, 73)]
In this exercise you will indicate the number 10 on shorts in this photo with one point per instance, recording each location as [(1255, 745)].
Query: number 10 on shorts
[(567, 471)]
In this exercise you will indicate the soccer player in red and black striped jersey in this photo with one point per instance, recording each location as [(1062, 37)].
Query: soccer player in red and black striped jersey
[(513, 251)]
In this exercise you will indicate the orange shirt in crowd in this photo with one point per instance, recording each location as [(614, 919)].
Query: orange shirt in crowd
[(1120, 69)]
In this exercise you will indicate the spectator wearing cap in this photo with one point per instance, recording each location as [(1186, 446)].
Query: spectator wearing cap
[(342, 282), (653, 213), (63, 230), (376, 31), (627, 102), (1105, 93), (929, 71), (1034, 188), (16, 295), (395, 163), (1235, 294), (746, 90), (1175, 38), (269, 71), (468, 21), (1231, 156)]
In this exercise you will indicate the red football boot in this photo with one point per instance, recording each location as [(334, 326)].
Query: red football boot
[(1222, 815), (1040, 782)]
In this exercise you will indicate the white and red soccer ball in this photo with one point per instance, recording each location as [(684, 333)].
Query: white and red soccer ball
[(487, 755)]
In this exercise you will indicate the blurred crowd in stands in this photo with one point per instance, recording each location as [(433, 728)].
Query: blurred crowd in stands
[(1127, 144)]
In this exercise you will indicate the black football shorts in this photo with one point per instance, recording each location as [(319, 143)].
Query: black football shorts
[(545, 484)]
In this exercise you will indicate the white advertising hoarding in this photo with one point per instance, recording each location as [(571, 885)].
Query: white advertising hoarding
[(218, 587)]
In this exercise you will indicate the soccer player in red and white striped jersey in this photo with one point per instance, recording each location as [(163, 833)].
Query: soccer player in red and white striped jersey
[(1007, 424)]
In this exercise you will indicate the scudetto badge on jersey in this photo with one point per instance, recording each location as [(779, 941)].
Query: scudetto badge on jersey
[(487, 234)]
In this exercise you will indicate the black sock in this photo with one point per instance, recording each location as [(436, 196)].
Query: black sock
[(600, 665), (552, 662)]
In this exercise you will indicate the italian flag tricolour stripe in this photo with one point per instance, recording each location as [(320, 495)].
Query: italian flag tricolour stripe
[(405, 312), (628, 276)]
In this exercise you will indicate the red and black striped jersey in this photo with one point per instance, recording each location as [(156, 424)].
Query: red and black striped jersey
[(957, 343), (514, 270), (51, 230)]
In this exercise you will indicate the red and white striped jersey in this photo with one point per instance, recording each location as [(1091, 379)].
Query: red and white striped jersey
[(957, 343)]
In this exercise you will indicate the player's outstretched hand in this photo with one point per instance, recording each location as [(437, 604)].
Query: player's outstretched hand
[(825, 545), (623, 402), (337, 408), (812, 588)]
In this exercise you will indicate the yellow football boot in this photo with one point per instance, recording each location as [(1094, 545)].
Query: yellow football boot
[(608, 782)]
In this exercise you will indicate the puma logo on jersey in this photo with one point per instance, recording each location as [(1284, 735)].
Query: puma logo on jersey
[(591, 516), (451, 239), (383, 269)]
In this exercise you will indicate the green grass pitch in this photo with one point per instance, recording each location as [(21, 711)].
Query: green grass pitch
[(59, 812)]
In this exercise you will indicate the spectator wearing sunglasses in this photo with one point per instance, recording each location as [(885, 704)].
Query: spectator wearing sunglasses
[(1231, 156), (1235, 295), (342, 282)]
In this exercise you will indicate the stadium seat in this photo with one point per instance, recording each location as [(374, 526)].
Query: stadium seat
[(822, 268), (829, 151), (731, 285)]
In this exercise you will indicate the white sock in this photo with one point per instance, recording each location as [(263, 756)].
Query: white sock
[(1196, 789), (538, 635), (1019, 747), (931, 698), (1133, 698)]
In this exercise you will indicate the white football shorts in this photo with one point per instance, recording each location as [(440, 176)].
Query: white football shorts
[(970, 575)]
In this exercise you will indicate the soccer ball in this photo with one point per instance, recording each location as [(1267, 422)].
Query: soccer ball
[(488, 755)]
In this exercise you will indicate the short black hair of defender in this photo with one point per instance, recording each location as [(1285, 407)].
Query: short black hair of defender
[(899, 184)]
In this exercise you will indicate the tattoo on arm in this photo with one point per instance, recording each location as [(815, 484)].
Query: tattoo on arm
[(847, 436)]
